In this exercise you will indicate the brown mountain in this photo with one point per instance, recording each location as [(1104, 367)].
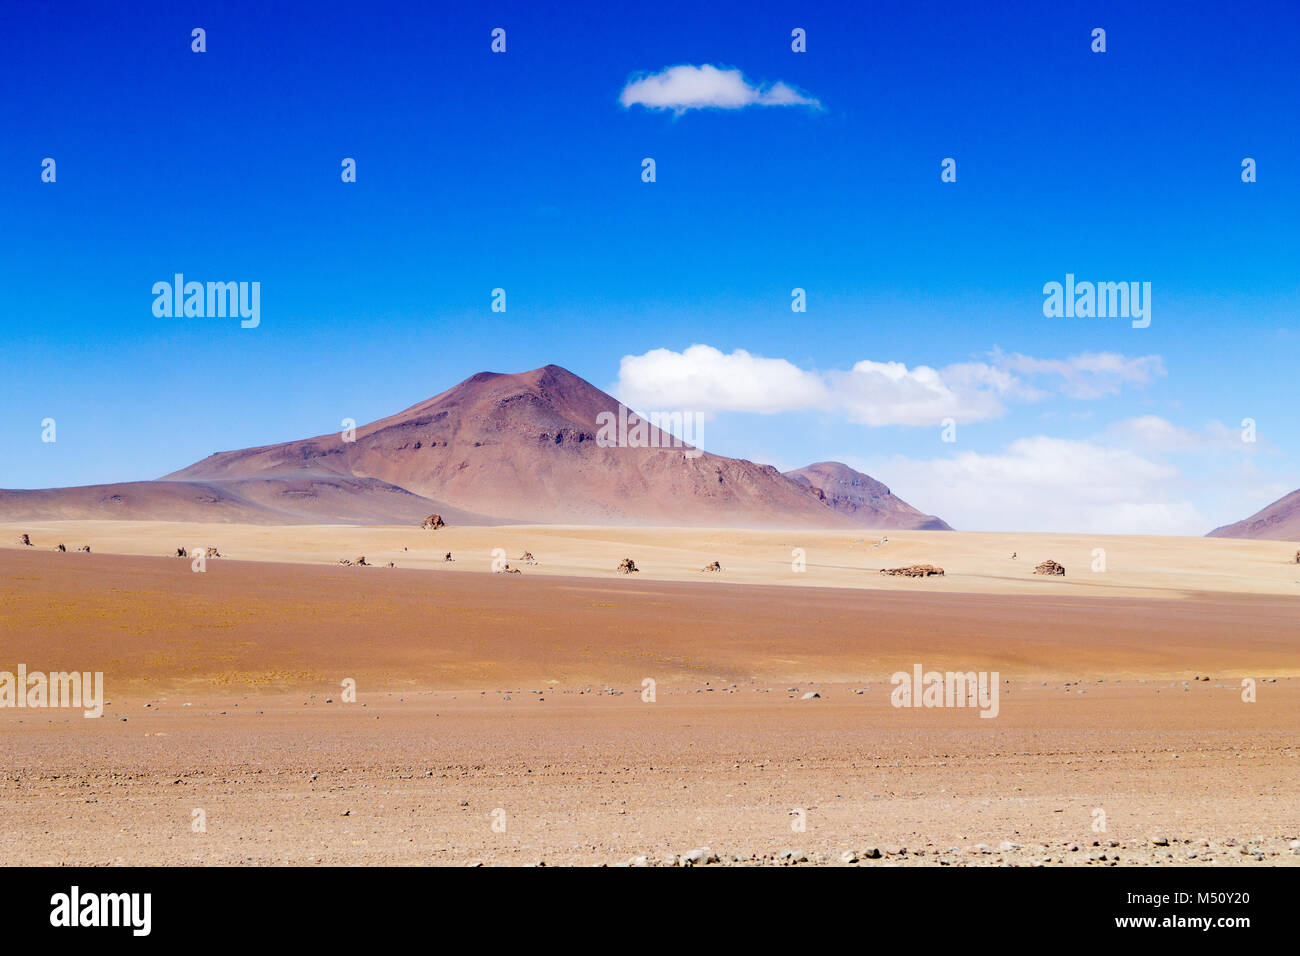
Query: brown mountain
[(494, 449), (863, 498), (1280, 521)]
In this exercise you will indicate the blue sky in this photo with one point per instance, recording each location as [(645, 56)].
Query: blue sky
[(522, 171)]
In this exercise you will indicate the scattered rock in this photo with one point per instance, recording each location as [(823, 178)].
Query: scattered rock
[(700, 855)]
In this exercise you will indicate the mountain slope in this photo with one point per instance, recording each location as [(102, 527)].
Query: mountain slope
[(524, 447), (862, 498), (1280, 521)]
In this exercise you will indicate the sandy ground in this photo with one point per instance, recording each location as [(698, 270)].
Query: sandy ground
[(522, 694), (974, 563)]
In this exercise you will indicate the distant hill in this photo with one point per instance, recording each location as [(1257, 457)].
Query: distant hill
[(863, 498)]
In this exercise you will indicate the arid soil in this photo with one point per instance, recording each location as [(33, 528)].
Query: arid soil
[(478, 693)]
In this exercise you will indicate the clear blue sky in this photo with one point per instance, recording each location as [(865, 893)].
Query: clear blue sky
[(522, 170)]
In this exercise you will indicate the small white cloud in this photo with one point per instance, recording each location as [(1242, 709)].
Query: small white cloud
[(687, 87)]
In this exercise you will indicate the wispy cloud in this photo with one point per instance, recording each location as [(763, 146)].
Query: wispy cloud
[(1153, 433), (1087, 375), (870, 392), (686, 87)]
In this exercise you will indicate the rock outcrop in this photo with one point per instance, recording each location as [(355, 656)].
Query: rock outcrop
[(627, 566), (433, 523), (1050, 567)]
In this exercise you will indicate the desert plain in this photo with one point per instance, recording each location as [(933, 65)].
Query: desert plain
[(1149, 712)]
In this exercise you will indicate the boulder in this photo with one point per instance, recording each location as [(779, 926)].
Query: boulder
[(1050, 567), (25, 539), (61, 547), (627, 566), (715, 566), (913, 571)]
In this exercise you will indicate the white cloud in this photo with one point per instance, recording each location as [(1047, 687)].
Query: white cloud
[(1046, 484), (888, 393), (704, 379), (687, 87)]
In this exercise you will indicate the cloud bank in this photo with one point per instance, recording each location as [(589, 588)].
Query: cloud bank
[(1048, 484), (703, 378)]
